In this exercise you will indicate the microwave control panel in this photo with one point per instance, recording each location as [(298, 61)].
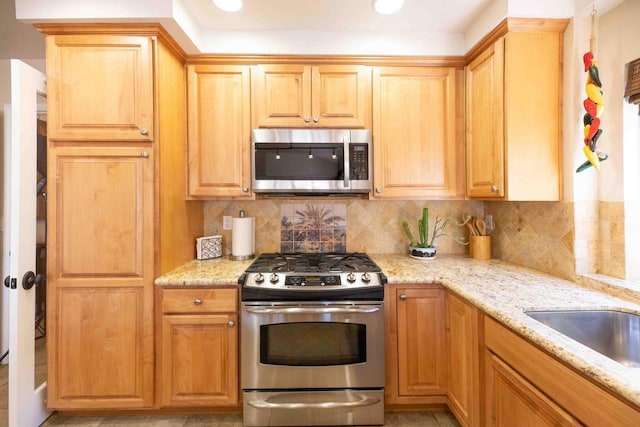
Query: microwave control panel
[(359, 161)]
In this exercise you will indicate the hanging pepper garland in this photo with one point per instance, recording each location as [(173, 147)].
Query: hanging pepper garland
[(593, 105)]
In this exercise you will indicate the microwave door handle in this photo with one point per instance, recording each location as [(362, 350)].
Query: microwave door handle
[(347, 178)]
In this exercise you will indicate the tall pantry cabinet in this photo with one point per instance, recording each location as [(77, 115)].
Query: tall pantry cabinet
[(116, 207)]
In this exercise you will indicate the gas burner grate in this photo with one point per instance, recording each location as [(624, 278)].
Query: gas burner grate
[(315, 262)]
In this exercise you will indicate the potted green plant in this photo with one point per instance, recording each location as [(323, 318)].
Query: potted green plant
[(424, 248)]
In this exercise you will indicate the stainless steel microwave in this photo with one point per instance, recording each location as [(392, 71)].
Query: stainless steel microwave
[(311, 161)]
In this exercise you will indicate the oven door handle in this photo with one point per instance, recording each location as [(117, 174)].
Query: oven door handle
[(313, 310), (265, 404)]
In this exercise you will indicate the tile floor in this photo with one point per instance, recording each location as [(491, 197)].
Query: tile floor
[(392, 419)]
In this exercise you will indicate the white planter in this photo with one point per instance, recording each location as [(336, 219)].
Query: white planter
[(422, 253)]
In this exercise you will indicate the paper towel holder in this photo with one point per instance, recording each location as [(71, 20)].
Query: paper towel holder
[(244, 257)]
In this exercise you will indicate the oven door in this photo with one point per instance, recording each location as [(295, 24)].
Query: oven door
[(312, 346)]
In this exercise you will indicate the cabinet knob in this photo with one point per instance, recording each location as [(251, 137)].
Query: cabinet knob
[(144, 131), (144, 154), (307, 119), (231, 323), (402, 297), (378, 190), (197, 301), (245, 189), (316, 120), (494, 189)]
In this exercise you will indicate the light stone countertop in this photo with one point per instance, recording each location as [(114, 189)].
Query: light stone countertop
[(502, 290)]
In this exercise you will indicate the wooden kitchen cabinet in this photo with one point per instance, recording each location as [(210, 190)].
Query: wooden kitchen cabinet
[(418, 144), (523, 382), (100, 277), (199, 355), (298, 95), (116, 209), (515, 401), (514, 112), (219, 139), (463, 368), (415, 344), (100, 87)]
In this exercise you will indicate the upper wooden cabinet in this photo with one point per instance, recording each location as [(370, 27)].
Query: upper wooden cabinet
[(514, 114), (291, 95), (100, 87), (219, 131), (415, 344), (418, 147)]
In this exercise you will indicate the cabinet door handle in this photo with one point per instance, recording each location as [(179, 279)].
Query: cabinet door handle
[(144, 154), (378, 190), (144, 131), (197, 301), (402, 297), (307, 119), (231, 323), (494, 189), (316, 120), (245, 189)]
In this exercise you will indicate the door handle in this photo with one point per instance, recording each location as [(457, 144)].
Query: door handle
[(30, 278), (7, 281)]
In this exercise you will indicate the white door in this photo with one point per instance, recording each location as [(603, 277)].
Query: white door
[(26, 398)]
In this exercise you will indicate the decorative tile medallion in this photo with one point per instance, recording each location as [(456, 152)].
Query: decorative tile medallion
[(313, 227)]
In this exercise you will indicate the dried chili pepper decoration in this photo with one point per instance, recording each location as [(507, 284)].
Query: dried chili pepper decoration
[(593, 105)]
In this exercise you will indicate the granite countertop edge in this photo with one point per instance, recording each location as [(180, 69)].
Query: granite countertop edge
[(502, 290)]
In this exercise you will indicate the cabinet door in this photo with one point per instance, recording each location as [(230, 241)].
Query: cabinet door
[(282, 95), (200, 360), (485, 124), (463, 369), (100, 87), (341, 96), (512, 400), (100, 278), (219, 128), (414, 133), (417, 366)]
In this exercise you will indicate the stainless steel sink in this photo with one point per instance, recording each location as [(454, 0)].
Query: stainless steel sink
[(612, 333)]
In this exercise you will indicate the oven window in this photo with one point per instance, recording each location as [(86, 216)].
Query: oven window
[(313, 343), (308, 162)]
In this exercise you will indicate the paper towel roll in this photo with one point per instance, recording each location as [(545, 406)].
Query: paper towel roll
[(242, 238)]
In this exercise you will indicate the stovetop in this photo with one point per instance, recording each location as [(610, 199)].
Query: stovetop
[(314, 262), (317, 276)]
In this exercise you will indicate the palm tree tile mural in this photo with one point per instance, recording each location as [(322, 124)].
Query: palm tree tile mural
[(312, 228)]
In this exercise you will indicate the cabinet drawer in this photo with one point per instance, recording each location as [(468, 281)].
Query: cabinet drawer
[(199, 300)]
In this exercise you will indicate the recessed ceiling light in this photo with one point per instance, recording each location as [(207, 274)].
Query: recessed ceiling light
[(387, 7), (229, 5)]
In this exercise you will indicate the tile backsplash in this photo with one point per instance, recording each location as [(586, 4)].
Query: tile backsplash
[(371, 226), (558, 238)]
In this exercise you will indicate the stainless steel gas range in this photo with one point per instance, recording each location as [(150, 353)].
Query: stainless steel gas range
[(313, 340)]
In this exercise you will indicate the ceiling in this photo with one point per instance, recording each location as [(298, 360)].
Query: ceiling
[(439, 16)]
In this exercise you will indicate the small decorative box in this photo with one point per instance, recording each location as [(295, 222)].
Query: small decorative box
[(209, 247)]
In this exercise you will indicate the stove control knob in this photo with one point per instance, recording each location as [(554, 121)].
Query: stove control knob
[(366, 278), (351, 277), (274, 278), (260, 278)]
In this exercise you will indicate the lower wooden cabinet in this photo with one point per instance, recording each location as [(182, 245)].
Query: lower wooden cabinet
[(526, 386), (100, 253), (512, 400), (199, 348), (415, 345), (463, 368)]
